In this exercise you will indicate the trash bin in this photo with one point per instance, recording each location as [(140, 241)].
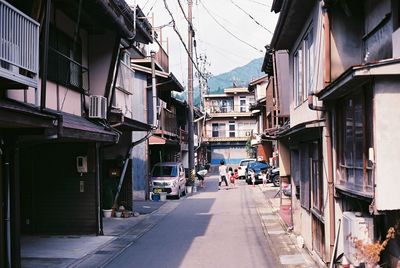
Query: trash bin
[(155, 197), (163, 196)]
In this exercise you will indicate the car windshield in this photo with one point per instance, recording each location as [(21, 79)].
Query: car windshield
[(245, 162), (164, 171)]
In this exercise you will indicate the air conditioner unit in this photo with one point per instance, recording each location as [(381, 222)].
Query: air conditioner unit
[(98, 107), (356, 227)]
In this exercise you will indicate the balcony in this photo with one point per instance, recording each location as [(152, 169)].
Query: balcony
[(19, 47), (162, 58), (228, 111), (125, 79), (168, 125), (228, 135)]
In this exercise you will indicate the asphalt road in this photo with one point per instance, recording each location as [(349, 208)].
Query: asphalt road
[(211, 228)]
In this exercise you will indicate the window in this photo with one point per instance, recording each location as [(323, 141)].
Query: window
[(65, 58), (243, 106), (316, 178), (231, 128), (355, 138), (218, 130), (303, 69)]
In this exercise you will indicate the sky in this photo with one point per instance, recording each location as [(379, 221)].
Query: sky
[(224, 52)]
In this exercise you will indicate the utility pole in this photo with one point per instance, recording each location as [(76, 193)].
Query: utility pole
[(190, 89)]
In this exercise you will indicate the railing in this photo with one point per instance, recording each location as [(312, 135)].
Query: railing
[(168, 122), (125, 78), (228, 108), (19, 45), (67, 72), (162, 58), (224, 133)]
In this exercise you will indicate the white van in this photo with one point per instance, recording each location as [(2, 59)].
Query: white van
[(168, 177), (243, 166)]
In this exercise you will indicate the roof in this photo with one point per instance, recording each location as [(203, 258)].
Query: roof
[(292, 17), (236, 90), (356, 76), (257, 81), (14, 114)]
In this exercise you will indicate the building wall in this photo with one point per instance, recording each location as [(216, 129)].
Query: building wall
[(387, 148), (140, 157)]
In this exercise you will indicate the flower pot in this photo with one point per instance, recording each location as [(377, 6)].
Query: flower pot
[(189, 189), (107, 213)]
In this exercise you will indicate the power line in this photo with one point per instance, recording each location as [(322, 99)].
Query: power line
[(223, 27), (181, 39), (251, 17)]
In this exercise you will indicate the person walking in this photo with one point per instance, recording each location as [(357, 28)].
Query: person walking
[(222, 174)]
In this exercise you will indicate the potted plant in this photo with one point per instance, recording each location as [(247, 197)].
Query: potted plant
[(190, 181)]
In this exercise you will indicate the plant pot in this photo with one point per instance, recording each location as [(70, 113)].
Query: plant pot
[(107, 213), (189, 189)]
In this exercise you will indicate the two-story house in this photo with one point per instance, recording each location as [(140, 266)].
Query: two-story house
[(344, 56), (229, 125), (53, 118)]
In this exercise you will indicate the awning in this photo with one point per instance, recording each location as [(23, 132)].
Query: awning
[(157, 140), (15, 114), (123, 123), (72, 127), (356, 76)]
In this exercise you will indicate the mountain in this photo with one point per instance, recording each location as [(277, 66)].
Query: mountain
[(240, 77)]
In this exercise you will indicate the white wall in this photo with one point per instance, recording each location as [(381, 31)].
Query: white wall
[(386, 142)]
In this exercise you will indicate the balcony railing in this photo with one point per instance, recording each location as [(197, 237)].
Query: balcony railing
[(168, 122), (229, 109), (67, 72), (19, 46), (125, 78), (224, 133), (162, 58)]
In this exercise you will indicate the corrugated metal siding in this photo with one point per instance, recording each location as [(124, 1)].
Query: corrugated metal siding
[(55, 203)]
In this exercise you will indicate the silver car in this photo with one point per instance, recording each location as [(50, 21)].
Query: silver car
[(168, 177)]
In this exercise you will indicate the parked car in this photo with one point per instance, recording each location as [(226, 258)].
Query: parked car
[(168, 177), (273, 176), (242, 172), (255, 169)]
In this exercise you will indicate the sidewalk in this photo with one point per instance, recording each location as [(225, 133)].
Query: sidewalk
[(282, 242), (92, 250)]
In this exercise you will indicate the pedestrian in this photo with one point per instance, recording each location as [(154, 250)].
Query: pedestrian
[(264, 177), (200, 176), (234, 176), (222, 174)]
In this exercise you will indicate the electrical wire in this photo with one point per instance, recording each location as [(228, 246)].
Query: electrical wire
[(228, 31), (259, 24), (181, 39), (151, 8)]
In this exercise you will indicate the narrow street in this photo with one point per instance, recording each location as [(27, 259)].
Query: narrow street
[(208, 229)]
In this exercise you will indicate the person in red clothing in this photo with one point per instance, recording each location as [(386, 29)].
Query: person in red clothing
[(233, 176)]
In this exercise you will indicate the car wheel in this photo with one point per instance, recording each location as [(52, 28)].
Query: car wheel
[(276, 181)]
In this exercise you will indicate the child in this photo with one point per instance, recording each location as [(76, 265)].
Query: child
[(264, 177), (234, 176)]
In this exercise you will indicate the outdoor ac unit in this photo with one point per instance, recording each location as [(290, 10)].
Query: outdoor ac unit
[(355, 227), (98, 107)]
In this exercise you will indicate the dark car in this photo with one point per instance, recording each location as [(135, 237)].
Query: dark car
[(256, 168)]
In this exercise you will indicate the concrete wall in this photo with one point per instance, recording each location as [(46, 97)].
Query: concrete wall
[(387, 147)]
